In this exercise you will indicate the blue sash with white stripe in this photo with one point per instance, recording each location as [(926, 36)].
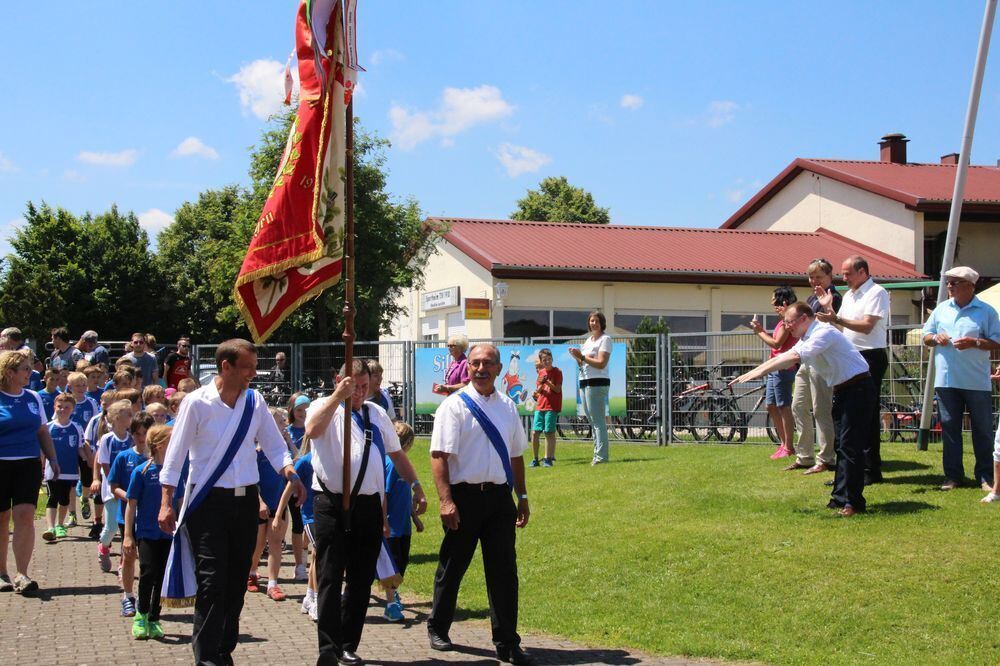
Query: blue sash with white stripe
[(493, 434)]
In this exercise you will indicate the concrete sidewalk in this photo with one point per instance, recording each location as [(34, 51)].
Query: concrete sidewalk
[(75, 619)]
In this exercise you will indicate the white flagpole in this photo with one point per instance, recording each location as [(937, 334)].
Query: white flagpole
[(956, 203)]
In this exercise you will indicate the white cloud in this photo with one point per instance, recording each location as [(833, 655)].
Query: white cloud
[(742, 191), (122, 158), (460, 109), (630, 101), (155, 220), (193, 146), (7, 232), (6, 166), (386, 55), (519, 159), (261, 85), (720, 112), (74, 176)]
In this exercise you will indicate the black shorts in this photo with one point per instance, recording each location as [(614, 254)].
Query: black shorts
[(293, 508), (86, 474), (20, 481), (59, 491)]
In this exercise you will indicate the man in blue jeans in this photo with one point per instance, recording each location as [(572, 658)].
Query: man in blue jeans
[(963, 331)]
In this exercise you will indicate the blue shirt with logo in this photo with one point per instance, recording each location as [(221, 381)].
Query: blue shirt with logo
[(398, 498), (67, 440), (304, 468), (271, 483), (49, 401), (35, 382), (967, 368), (95, 395), (84, 411), (121, 474), (144, 487), (21, 416)]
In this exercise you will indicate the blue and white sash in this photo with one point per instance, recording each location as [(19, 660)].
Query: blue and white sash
[(385, 569), (493, 434), (179, 580)]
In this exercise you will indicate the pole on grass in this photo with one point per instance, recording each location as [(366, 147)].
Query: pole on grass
[(348, 335), (956, 204)]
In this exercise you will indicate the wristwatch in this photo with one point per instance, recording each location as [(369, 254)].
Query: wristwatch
[(522, 497), (415, 484)]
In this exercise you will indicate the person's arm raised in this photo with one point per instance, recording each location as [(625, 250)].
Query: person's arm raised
[(319, 417)]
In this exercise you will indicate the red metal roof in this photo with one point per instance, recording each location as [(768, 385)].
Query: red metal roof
[(923, 187), (509, 248)]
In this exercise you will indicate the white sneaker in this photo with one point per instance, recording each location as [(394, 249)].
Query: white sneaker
[(992, 497), (314, 612), (307, 605), (300, 572)]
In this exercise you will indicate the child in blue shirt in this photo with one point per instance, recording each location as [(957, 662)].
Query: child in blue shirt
[(399, 512), (141, 526), (108, 448), (304, 468), (67, 438), (76, 385), (271, 487), (49, 393), (295, 431), (119, 478)]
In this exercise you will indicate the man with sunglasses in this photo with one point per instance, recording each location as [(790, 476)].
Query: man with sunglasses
[(177, 365), (142, 359), (963, 330), (830, 354)]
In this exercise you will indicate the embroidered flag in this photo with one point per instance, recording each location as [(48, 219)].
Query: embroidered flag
[(297, 246)]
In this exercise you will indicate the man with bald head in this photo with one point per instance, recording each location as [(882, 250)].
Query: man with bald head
[(477, 459)]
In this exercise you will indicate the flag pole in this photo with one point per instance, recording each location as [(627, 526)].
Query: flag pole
[(348, 335), (951, 238)]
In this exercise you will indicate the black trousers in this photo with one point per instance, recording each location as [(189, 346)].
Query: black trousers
[(343, 553), (853, 407), (59, 491), (878, 363), (223, 531), (486, 515), (152, 563)]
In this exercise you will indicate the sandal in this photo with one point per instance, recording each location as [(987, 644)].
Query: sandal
[(24, 585), (6, 585)]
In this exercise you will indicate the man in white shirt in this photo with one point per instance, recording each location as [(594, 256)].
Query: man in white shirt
[(474, 484), (864, 319), (348, 545), (831, 355), (223, 527)]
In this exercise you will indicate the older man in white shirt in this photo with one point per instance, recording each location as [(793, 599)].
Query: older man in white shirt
[(477, 449), (831, 355), (216, 429), (864, 317), (348, 544)]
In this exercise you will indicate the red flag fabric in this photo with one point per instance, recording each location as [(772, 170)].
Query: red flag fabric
[(297, 246)]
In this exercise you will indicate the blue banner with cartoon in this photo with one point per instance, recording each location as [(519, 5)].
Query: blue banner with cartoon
[(517, 379)]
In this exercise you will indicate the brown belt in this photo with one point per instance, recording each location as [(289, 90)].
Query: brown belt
[(863, 377)]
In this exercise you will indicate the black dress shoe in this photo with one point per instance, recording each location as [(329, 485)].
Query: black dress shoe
[(834, 504), (349, 658), (513, 655), (439, 643)]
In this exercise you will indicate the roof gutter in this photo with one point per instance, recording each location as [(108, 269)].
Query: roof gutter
[(623, 275)]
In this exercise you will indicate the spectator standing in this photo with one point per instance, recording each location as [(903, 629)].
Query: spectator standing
[(548, 404), (812, 393), (92, 350), (456, 375), (593, 356), (778, 388), (143, 360), (963, 331), (864, 319), (177, 365), (376, 393), (64, 356)]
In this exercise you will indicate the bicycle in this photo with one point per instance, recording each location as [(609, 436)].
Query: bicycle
[(729, 421)]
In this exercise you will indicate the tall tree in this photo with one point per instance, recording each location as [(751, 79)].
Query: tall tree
[(556, 200)]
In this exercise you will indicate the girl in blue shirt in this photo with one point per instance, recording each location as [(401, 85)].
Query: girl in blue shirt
[(142, 528), (304, 468), (296, 431), (119, 478)]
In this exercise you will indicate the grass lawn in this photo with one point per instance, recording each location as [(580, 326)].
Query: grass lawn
[(713, 551)]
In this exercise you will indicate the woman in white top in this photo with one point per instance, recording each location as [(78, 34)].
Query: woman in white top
[(593, 356)]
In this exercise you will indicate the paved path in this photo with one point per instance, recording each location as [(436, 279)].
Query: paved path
[(75, 620)]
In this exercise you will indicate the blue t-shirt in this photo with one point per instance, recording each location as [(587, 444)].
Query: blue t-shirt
[(67, 440), (95, 395), (108, 449), (144, 487), (304, 468), (296, 434), (49, 401), (271, 483), (121, 474), (399, 498), (35, 383), (84, 411), (21, 416)]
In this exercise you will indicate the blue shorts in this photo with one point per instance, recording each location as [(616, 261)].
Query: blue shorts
[(779, 387), (545, 421)]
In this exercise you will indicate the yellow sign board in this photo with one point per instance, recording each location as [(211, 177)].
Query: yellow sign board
[(477, 308)]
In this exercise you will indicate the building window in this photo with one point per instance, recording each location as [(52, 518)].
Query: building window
[(456, 324), (525, 323), (569, 323), (677, 323), (429, 328), (740, 323)]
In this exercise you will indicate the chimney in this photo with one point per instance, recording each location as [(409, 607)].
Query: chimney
[(950, 158), (892, 148)]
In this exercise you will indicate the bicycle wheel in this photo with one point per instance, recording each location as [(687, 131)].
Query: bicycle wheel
[(581, 427), (701, 420), (772, 432), (727, 422)]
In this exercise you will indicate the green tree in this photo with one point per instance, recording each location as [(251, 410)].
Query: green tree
[(556, 200)]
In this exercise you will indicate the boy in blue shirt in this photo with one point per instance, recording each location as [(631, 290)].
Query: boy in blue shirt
[(144, 494), (49, 393), (119, 477), (399, 511), (67, 438)]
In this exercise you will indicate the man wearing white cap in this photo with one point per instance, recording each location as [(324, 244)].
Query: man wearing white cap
[(963, 331)]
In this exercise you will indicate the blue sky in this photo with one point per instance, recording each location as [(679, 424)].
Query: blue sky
[(669, 113)]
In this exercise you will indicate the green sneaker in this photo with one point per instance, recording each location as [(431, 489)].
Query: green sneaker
[(155, 630), (49, 534), (140, 629), (60, 531), (71, 522)]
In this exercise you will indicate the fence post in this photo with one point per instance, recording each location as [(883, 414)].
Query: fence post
[(667, 421)]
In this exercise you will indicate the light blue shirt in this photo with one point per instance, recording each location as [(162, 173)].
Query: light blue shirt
[(970, 368)]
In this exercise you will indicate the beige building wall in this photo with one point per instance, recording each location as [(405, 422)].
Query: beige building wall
[(812, 201), (977, 245)]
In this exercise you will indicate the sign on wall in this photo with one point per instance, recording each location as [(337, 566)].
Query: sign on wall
[(517, 379), (442, 298), (477, 308)]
